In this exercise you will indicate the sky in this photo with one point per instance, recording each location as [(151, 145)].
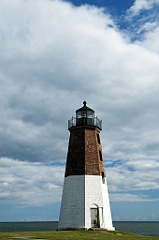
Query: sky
[(54, 55)]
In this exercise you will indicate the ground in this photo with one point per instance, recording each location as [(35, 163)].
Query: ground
[(75, 235)]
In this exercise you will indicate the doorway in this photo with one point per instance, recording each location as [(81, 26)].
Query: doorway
[(95, 218)]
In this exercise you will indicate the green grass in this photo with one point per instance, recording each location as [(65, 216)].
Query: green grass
[(74, 235)]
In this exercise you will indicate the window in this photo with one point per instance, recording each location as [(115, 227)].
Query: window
[(103, 177), (100, 155), (98, 138)]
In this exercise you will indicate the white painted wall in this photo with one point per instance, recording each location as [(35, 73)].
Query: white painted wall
[(72, 207), (80, 194), (96, 195)]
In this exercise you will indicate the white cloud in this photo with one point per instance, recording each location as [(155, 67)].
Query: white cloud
[(133, 175), (140, 5), (36, 184), (126, 197), (31, 184), (151, 40), (142, 19)]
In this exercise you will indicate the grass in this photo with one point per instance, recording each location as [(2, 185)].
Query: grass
[(74, 235)]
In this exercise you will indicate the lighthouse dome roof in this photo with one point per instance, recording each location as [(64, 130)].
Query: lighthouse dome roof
[(84, 108)]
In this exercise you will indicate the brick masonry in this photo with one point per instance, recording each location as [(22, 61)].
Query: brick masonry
[(84, 152)]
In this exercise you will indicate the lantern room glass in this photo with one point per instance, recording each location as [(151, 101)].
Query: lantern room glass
[(85, 116), (85, 113)]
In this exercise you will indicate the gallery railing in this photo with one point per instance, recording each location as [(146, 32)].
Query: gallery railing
[(95, 122)]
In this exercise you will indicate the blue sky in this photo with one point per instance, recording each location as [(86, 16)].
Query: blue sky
[(113, 7), (54, 55)]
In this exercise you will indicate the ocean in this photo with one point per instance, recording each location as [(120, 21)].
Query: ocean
[(143, 228)]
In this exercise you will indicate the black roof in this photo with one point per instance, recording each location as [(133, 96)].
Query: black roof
[(84, 108)]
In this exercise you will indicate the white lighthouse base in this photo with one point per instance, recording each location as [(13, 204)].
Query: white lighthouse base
[(85, 203)]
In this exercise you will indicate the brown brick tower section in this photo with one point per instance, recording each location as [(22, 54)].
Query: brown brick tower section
[(84, 155)]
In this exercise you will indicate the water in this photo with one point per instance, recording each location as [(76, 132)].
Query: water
[(27, 226), (143, 228)]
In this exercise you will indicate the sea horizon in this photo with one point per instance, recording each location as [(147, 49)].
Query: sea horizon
[(58, 221), (147, 228)]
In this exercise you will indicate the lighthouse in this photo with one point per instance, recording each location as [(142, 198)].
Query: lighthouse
[(85, 201)]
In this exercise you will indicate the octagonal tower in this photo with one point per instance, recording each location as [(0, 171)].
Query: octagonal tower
[(85, 200)]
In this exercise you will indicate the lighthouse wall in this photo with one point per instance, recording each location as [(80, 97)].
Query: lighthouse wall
[(96, 196), (81, 193), (106, 206), (72, 214)]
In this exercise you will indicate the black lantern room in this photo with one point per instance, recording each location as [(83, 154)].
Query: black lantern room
[(85, 116)]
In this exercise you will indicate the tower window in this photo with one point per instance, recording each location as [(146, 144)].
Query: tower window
[(103, 177), (98, 138), (100, 155)]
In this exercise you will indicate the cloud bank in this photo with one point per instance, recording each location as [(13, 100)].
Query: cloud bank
[(37, 184), (55, 55), (33, 184)]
